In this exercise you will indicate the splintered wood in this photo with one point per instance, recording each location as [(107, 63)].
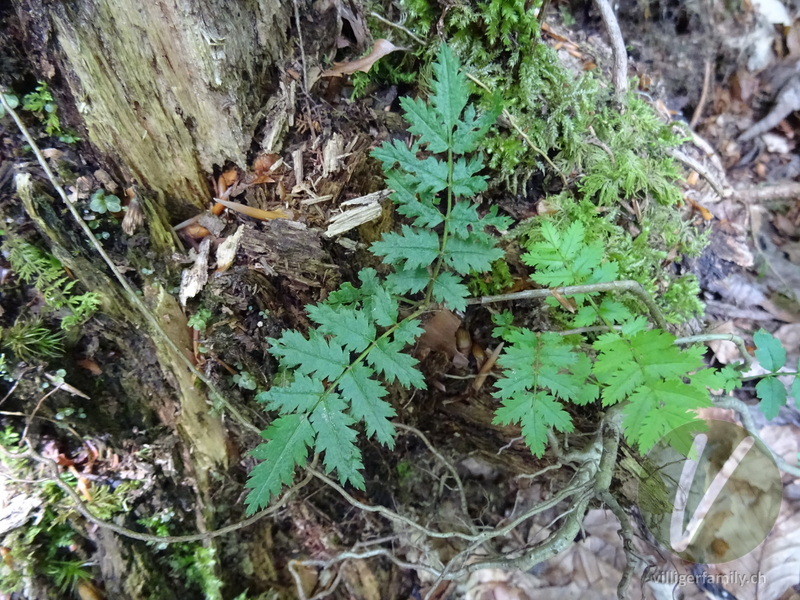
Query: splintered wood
[(367, 208)]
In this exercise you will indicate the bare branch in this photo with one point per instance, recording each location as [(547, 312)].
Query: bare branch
[(747, 422), (618, 51), (625, 285)]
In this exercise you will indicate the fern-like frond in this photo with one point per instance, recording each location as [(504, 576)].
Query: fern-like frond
[(540, 371)]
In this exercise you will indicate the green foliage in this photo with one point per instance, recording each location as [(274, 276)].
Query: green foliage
[(42, 270), (772, 393), (200, 319), (67, 574), (617, 160), (49, 545), (540, 371), (29, 340), (12, 101), (660, 384), (102, 202), (339, 374), (197, 565), (41, 103), (496, 281)]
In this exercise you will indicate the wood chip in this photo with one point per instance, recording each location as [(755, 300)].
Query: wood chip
[(367, 208)]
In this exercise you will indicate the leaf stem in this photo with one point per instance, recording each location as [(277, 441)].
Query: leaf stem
[(446, 233), (625, 285), (721, 337)]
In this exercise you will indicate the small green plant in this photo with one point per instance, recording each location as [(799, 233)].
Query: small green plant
[(29, 340), (42, 270), (340, 373), (200, 319), (245, 380), (772, 393), (659, 383), (12, 101), (102, 202), (41, 103)]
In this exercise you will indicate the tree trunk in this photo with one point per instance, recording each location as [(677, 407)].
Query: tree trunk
[(166, 92), (168, 89)]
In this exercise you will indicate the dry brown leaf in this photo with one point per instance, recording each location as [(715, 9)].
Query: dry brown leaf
[(263, 163), (486, 367), (567, 304), (441, 336), (725, 352), (87, 591), (90, 365), (228, 178), (704, 212), (379, 50)]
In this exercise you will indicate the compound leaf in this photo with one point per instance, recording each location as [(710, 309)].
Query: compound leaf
[(336, 438), (289, 438)]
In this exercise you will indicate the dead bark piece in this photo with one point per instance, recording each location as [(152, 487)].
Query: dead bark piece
[(193, 280), (332, 155), (286, 248), (226, 251), (368, 208)]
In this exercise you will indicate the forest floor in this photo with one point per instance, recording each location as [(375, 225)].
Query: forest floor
[(724, 76)]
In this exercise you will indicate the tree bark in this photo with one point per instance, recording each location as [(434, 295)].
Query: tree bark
[(165, 92), (166, 89)]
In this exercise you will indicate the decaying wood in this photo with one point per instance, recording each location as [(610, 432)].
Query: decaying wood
[(166, 89), (367, 208), (286, 248)]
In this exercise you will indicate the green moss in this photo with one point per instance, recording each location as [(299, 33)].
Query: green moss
[(622, 183)]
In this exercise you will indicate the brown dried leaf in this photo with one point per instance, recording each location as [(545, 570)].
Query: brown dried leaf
[(725, 352), (440, 334), (379, 50), (90, 365)]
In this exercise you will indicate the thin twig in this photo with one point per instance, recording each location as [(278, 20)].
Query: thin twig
[(701, 170), (55, 477), (720, 337), (698, 111), (448, 465), (14, 387), (36, 408), (300, 43), (747, 421), (626, 531), (482, 537), (405, 30), (513, 122), (547, 469), (618, 51), (784, 191), (130, 292), (625, 285)]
